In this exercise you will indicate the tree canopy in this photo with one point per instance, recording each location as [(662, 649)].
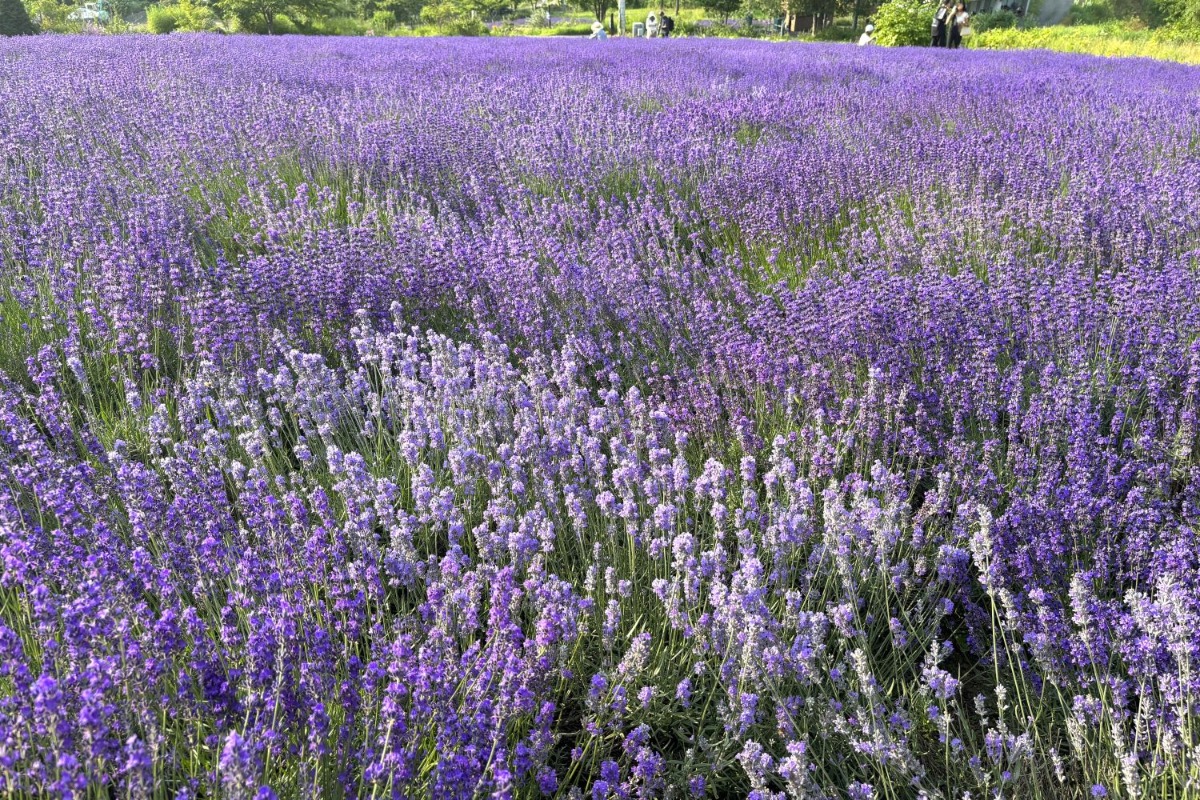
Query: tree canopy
[(724, 8), (14, 19), (249, 12)]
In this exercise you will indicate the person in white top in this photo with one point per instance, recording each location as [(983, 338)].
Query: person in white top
[(867, 37), (959, 26), (598, 31)]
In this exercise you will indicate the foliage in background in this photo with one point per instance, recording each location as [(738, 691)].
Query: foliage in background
[(1096, 12), (387, 13), (737, 18), (50, 16), (454, 18), (597, 8), (162, 19), (1184, 14), (722, 9), (14, 19), (1112, 39), (252, 13), (904, 22), (184, 15), (993, 20)]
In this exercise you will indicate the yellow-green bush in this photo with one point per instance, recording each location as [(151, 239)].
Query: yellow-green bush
[(1112, 39), (162, 19), (182, 16)]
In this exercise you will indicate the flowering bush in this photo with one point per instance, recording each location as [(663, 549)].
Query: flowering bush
[(461, 418)]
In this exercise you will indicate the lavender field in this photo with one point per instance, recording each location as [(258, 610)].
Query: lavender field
[(461, 419)]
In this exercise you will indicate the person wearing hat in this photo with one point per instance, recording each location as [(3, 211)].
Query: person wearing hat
[(867, 36), (598, 31), (651, 25)]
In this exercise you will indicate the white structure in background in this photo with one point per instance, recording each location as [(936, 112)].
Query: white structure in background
[(93, 13)]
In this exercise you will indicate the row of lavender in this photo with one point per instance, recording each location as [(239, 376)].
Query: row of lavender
[(452, 419)]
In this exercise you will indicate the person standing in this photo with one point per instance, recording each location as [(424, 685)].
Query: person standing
[(668, 25), (940, 19), (960, 23), (868, 36)]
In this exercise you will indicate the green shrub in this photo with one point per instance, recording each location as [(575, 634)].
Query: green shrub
[(449, 19), (467, 27), (282, 24), (439, 13), (838, 32), (185, 15), (993, 20), (382, 21), (195, 17), (1093, 13), (340, 26), (570, 29), (904, 22), (162, 19), (1182, 33), (452, 19), (719, 30)]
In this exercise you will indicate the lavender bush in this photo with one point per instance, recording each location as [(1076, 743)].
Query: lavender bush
[(448, 419)]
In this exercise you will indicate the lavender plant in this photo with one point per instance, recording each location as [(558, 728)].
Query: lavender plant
[(700, 419)]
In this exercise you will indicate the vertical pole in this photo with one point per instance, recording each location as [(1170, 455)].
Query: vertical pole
[(621, 15)]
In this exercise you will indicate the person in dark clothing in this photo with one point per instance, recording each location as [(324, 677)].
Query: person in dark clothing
[(668, 25), (940, 19)]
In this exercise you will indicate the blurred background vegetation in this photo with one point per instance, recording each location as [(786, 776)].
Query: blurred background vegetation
[(832, 20), (1168, 29)]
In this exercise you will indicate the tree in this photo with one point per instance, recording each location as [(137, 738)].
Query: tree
[(14, 19), (405, 11), (722, 8), (458, 12), (267, 11), (51, 15), (1184, 14), (599, 8), (768, 9)]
